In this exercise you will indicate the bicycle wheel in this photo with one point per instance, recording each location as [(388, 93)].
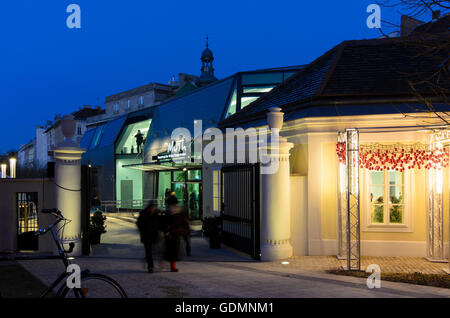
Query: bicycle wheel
[(94, 286)]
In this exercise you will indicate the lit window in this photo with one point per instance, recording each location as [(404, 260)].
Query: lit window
[(141, 100), (257, 89), (245, 101), (386, 197), (232, 106), (216, 190)]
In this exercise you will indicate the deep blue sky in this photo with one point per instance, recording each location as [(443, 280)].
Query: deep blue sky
[(46, 68)]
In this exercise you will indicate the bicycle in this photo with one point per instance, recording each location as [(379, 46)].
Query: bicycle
[(92, 284)]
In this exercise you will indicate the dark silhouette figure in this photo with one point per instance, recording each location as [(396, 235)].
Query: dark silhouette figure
[(171, 200), (95, 203), (167, 194), (139, 141), (177, 226), (148, 224)]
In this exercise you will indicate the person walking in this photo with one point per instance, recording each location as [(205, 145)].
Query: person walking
[(176, 226), (148, 224)]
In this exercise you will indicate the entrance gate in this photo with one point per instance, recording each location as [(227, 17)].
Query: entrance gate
[(241, 209)]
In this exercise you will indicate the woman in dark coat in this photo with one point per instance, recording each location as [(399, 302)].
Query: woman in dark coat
[(177, 225), (148, 224)]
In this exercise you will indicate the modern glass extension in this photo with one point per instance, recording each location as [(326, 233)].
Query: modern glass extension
[(128, 151), (248, 87)]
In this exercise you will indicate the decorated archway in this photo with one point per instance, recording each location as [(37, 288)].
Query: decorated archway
[(432, 156)]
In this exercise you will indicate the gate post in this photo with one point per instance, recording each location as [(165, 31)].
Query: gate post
[(275, 195), (68, 184)]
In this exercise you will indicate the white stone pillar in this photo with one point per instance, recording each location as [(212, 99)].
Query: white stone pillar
[(275, 197), (68, 184)]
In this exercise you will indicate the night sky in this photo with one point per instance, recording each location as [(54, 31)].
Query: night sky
[(48, 69)]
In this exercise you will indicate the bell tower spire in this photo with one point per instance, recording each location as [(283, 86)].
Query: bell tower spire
[(207, 69)]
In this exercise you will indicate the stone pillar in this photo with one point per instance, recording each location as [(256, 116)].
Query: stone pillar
[(68, 184), (275, 196)]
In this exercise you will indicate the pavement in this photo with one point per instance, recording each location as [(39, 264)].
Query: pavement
[(222, 273)]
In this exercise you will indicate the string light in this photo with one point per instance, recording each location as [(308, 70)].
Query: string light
[(398, 157)]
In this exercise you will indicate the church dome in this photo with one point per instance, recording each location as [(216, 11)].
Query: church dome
[(207, 55)]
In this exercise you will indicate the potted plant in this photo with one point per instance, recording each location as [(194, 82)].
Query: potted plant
[(212, 228), (97, 227)]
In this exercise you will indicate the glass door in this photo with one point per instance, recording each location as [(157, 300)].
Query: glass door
[(194, 200), (180, 192)]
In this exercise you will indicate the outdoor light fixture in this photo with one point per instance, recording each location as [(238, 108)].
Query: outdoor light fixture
[(184, 169), (12, 167), (3, 167), (285, 263)]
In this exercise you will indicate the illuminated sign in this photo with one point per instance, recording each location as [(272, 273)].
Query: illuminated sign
[(176, 150)]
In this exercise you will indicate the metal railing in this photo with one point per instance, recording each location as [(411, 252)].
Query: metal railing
[(120, 206)]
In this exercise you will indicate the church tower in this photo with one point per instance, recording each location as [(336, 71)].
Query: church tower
[(207, 69)]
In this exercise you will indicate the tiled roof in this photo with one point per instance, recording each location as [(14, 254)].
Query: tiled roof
[(360, 69), (439, 26)]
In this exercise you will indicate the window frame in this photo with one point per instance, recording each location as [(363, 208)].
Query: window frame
[(366, 215)]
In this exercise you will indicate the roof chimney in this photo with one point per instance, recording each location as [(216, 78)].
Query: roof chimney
[(436, 14)]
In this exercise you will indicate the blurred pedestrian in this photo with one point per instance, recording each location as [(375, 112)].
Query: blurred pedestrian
[(172, 200), (148, 224), (177, 225)]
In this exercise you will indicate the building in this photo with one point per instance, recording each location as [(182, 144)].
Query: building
[(130, 178), (363, 157), (26, 156), (35, 155), (142, 97)]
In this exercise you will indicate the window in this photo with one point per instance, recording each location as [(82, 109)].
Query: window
[(129, 104), (97, 136), (262, 78), (386, 201), (387, 194), (141, 100), (216, 191), (231, 109), (245, 101), (116, 108), (194, 175), (179, 176), (79, 130), (127, 142)]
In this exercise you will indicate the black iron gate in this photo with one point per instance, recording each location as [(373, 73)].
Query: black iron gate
[(87, 192), (240, 208), (27, 221)]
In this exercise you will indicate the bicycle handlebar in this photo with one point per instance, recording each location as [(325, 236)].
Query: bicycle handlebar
[(59, 218), (52, 211)]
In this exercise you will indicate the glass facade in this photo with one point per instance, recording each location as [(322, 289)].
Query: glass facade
[(187, 186), (251, 86), (128, 182), (133, 137)]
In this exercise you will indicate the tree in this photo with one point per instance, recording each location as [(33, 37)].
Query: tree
[(429, 40)]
